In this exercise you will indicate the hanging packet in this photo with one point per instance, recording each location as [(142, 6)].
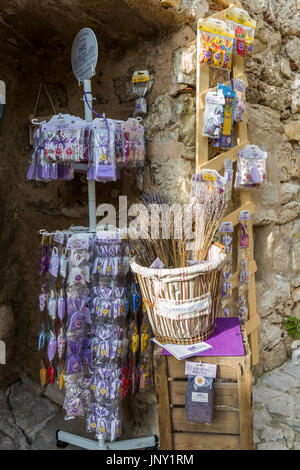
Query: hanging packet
[(134, 143), (102, 156), (213, 115), (199, 397), (251, 167), (244, 29), (240, 99), (225, 136), (216, 43), (140, 86)]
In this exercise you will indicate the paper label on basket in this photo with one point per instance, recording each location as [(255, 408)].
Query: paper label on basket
[(200, 397), (184, 308), (198, 368)]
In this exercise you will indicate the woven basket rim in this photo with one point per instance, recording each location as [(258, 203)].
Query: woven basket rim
[(201, 267)]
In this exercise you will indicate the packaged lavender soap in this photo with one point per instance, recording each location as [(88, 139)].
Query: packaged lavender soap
[(199, 396), (199, 399)]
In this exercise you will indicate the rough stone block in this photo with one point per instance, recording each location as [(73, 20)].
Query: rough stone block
[(293, 49), (184, 65), (289, 191), (292, 130), (289, 212), (171, 3)]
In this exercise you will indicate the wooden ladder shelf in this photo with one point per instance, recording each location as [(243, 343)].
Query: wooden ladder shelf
[(217, 163)]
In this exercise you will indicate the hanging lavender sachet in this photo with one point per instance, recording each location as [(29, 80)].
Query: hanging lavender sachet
[(102, 158)]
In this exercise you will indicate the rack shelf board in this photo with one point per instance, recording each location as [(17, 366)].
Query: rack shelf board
[(217, 163)]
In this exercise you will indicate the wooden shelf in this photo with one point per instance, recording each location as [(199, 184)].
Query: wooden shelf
[(217, 163)]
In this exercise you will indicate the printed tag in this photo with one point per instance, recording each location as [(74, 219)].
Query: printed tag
[(200, 397), (199, 368), (244, 215), (226, 227)]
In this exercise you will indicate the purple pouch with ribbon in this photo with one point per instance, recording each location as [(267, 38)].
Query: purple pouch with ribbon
[(43, 298), (116, 384), (105, 307), (86, 315), (115, 424), (73, 363), (103, 423), (86, 352), (118, 303), (54, 263), (103, 385), (61, 305), (75, 314), (52, 346), (74, 407), (91, 419), (52, 305), (104, 346), (97, 263), (116, 348), (44, 262)]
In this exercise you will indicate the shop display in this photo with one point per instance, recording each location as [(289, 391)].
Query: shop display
[(244, 29), (104, 145), (217, 41), (102, 298), (96, 344)]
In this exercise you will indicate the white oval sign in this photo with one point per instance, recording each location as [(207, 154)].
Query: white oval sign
[(84, 54)]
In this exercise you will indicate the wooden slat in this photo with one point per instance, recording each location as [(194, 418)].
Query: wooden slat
[(226, 370), (217, 163), (234, 216), (190, 441), (252, 324), (226, 394), (245, 402), (225, 422), (163, 401), (220, 15)]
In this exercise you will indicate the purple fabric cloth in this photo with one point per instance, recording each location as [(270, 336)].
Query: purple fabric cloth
[(226, 341)]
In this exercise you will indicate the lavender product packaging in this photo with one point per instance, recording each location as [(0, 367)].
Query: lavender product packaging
[(199, 399)]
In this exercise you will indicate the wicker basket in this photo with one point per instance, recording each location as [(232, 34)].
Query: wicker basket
[(182, 303)]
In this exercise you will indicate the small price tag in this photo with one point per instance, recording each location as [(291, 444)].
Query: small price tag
[(199, 368)]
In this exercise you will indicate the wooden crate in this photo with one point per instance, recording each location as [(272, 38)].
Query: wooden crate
[(232, 426)]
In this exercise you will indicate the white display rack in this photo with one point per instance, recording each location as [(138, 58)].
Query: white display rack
[(64, 438)]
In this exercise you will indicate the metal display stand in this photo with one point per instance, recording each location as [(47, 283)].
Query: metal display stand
[(64, 438)]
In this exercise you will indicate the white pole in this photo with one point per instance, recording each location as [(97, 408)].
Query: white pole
[(88, 116)]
